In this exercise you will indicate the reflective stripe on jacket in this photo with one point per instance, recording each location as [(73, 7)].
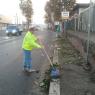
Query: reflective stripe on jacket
[(29, 42)]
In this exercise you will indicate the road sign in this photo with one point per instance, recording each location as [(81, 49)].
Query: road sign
[(65, 15)]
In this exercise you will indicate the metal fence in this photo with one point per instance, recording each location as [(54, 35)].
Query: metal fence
[(82, 21)]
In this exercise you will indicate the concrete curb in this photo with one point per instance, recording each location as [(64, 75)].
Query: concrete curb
[(54, 87), (55, 83)]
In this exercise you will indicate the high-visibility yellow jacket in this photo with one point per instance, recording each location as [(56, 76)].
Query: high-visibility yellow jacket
[(29, 41)]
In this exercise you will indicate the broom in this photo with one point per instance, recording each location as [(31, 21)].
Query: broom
[(54, 71)]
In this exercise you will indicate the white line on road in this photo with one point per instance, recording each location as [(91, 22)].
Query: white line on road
[(6, 39)]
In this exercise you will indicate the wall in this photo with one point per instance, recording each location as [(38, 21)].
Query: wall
[(81, 46)]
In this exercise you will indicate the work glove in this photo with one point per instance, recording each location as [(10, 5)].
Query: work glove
[(40, 46)]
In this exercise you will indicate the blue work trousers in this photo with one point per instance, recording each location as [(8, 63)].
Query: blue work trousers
[(27, 59)]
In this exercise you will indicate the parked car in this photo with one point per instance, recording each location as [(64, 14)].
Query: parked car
[(13, 30)]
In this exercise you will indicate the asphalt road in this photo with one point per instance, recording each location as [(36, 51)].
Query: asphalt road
[(2, 33), (13, 81)]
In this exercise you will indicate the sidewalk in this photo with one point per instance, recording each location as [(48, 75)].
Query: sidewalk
[(74, 80)]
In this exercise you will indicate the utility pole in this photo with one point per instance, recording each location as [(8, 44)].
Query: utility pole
[(88, 35), (16, 19)]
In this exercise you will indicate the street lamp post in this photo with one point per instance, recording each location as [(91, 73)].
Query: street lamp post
[(16, 19)]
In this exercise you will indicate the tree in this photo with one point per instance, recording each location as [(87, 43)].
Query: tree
[(48, 12), (56, 9), (47, 19), (27, 11), (53, 7), (68, 4)]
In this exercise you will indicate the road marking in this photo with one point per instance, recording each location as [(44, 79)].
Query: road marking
[(6, 39)]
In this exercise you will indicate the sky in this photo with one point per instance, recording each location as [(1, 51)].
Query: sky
[(38, 6), (11, 8)]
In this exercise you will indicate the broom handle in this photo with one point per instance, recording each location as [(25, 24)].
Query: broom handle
[(47, 55)]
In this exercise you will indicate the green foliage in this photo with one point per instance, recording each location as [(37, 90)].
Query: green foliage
[(46, 81), (45, 84)]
